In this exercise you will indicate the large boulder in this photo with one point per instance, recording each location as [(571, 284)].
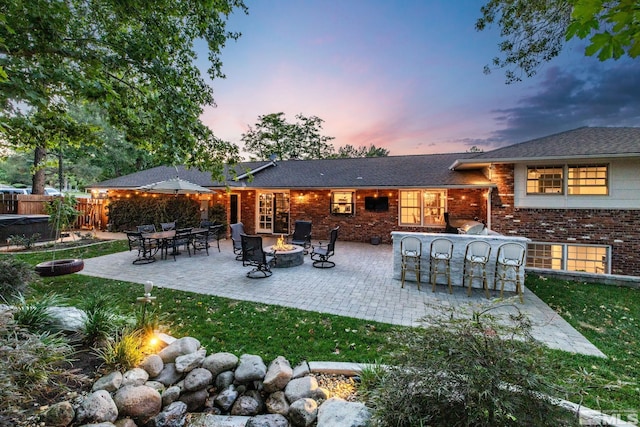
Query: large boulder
[(197, 379), (250, 368), (301, 388), (168, 376), (179, 347), (303, 412), (59, 415), (69, 319), (173, 415), (337, 412), (110, 382), (140, 402), (220, 362), (153, 364), (278, 375), (270, 420), (188, 362), (97, 407), (135, 376)]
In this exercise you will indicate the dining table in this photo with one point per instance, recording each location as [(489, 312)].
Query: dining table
[(163, 239)]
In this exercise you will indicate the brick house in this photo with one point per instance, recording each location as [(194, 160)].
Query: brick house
[(575, 194)]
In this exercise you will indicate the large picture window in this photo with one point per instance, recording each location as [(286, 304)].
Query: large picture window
[(422, 207)]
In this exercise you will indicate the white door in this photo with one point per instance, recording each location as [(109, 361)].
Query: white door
[(265, 213)]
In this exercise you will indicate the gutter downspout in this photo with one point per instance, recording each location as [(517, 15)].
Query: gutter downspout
[(489, 208)]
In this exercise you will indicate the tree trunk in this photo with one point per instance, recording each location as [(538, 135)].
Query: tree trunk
[(37, 186)]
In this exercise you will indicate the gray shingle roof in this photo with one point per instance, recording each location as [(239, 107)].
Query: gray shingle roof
[(581, 142), (430, 170)]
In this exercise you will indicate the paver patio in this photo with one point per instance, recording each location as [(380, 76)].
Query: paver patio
[(361, 285)]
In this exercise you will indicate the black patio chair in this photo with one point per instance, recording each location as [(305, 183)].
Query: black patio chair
[(147, 228), (167, 226), (200, 241), (301, 235), (321, 254), (147, 248), (254, 255), (216, 232), (237, 230), (182, 238)]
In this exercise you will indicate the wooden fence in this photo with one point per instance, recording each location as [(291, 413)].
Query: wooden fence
[(93, 214)]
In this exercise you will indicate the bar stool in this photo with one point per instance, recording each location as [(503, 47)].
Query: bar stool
[(476, 256), (511, 256), (411, 251), (440, 256)]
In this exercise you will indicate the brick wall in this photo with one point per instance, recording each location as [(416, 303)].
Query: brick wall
[(615, 227)]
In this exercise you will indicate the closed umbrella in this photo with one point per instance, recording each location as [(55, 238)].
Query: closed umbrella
[(174, 186)]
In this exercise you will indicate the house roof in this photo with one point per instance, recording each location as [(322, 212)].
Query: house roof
[(431, 170), (577, 144)]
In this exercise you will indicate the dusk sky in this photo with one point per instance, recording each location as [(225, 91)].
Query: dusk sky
[(407, 76)]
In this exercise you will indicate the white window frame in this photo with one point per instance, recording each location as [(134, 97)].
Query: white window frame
[(420, 207), (571, 181), (343, 202)]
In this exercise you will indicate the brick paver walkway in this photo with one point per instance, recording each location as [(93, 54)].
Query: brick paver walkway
[(361, 286)]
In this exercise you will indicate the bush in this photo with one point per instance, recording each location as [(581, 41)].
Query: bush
[(125, 352), (32, 366), (23, 240), (15, 277), (103, 321), (33, 315), (478, 371), (126, 214)]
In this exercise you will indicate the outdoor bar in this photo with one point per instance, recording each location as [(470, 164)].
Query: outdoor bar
[(460, 242)]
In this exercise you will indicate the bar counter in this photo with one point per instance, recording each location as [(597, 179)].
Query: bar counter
[(460, 242)]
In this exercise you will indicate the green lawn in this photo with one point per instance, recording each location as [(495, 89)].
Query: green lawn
[(608, 316)]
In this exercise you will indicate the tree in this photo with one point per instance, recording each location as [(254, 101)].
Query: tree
[(362, 151), (134, 60), (534, 32), (273, 136)]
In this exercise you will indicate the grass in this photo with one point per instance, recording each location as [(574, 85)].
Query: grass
[(607, 315)]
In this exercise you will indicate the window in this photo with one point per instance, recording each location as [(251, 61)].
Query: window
[(580, 180), (587, 179), (422, 207), (342, 203), (563, 256), (544, 180)]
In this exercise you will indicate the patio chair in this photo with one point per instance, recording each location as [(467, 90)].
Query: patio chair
[(168, 226), (321, 254), (147, 228), (147, 248), (254, 255), (511, 257), (216, 232), (200, 241), (181, 238), (301, 235), (237, 229)]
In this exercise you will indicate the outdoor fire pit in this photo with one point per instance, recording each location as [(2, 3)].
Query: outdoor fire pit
[(287, 255)]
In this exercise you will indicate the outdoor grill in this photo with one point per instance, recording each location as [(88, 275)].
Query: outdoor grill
[(472, 227)]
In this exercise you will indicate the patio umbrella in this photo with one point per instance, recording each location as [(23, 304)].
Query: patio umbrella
[(174, 186)]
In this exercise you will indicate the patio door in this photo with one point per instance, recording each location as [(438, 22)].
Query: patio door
[(273, 213)]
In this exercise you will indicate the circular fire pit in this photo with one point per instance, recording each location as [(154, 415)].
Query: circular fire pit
[(288, 258)]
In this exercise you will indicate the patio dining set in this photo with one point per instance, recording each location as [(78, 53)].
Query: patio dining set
[(169, 240)]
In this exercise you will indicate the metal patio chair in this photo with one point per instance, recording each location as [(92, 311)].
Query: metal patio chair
[(321, 254), (301, 235), (254, 255)]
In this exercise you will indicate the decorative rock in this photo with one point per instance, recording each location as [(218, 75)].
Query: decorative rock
[(255, 394), (337, 412), (321, 394), (179, 347), (153, 364), (157, 385), (138, 401), (226, 397), (250, 368), (97, 407), (59, 415), (220, 362), (278, 375), (277, 403), (303, 412), (170, 395), (270, 420), (169, 375), (135, 376), (302, 370), (105, 424), (209, 420), (67, 318), (301, 388), (173, 415), (224, 380), (197, 379), (110, 382), (189, 362), (125, 422), (245, 405), (194, 399)]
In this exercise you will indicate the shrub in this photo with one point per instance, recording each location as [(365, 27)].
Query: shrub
[(62, 212), (126, 214), (103, 321), (125, 352), (33, 315), (15, 277), (32, 366), (460, 371), (23, 240)]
